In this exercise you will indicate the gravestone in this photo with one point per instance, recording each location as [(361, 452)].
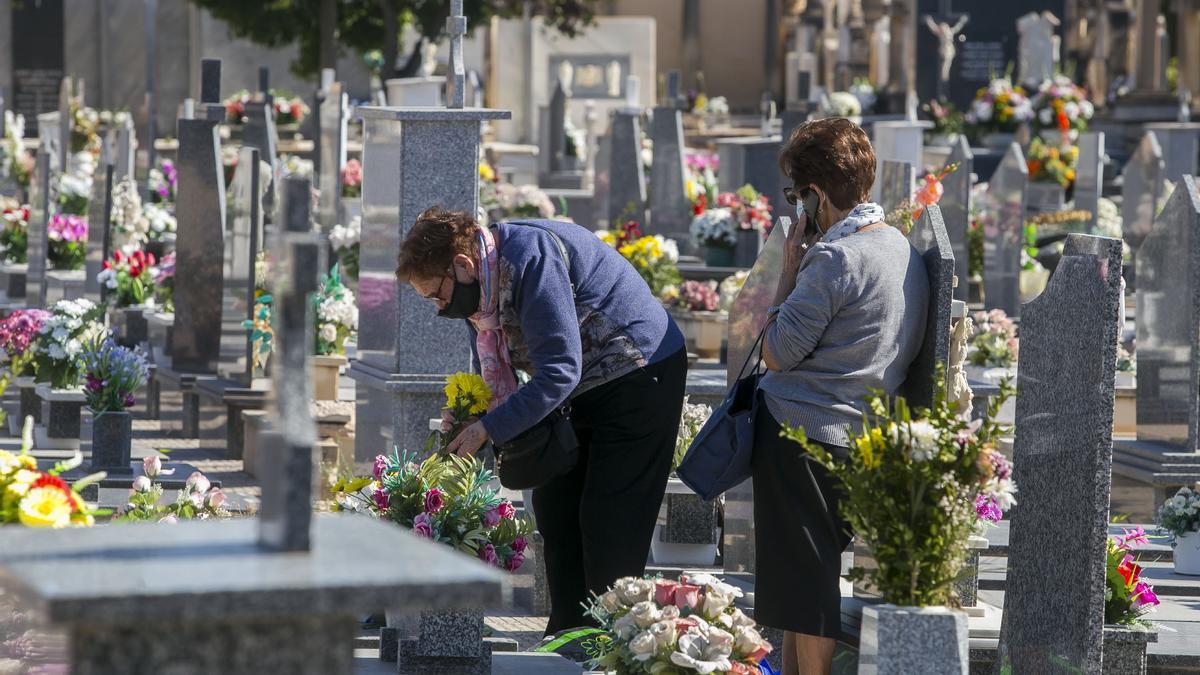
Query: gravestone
[(285, 523), (558, 169), (38, 243), (413, 158), (626, 177), (894, 184), (1054, 614), (901, 141), (200, 212), (260, 133), (122, 139), (1003, 222), (1089, 179), (65, 121), (1143, 179), (38, 58), (334, 113), (235, 388), (1038, 48), (1180, 144), (674, 93), (956, 211), (99, 241), (930, 239), (670, 210), (751, 161)]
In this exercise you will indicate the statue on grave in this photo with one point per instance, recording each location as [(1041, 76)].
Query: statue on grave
[(613, 78), (566, 75), (946, 35), (429, 50)]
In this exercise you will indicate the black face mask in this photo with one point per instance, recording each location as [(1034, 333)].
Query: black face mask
[(464, 300)]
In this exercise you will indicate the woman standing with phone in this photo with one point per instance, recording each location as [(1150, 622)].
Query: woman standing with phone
[(848, 317)]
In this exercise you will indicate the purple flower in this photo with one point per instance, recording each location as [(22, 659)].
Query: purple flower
[(1133, 538), (488, 554), (93, 383), (1143, 595), (168, 169), (434, 501), (129, 400), (380, 466), (423, 526), (519, 544), (507, 510), (987, 509), (514, 562), (382, 500), (491, 518)]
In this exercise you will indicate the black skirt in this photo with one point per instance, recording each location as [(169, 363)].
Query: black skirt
[(799, 535)]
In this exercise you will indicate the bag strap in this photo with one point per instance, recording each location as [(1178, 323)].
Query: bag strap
[(562, 248), (757, 346)]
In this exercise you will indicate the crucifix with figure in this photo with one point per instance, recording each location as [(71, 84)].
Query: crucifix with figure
[(946, 34)]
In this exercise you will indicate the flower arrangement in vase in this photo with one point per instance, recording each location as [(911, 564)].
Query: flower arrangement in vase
[(1127, 597), (844, 104), (111, 376), (198, 500), (715, 228), (664, 626), (1000, 107), (352, 179), (693, 418), (58, 349), (68, 241), (14, 235), (445, 498), (289, 110), (929, 192), (131, 276), (344, 240), (336, 315), (505, 201), (1060, 104), (692, 296), (164, 283), (262, 332), (286, 109), (36, 498), (1180, 515), (74, 193), (163, 181), (700, 184), (653, 256), (1052, 163), (994, 343), (934, 466), (18, 331), (15, 163)]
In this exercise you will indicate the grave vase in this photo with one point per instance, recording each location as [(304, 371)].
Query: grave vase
[(29, 406), (444, 642), (62, 418), (12, 282), (703, 332), (719, 256), (129, 325), (325, 372), (112, 439), (1125, 649), (690, 532), (1045, 197), (898, 640), (1187, 553)]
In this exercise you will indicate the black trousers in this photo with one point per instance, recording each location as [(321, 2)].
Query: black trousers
[(597, 520)]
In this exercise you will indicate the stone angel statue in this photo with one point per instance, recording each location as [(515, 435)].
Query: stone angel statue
[(946, 34)]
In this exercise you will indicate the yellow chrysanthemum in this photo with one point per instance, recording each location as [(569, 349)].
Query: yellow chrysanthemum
[(468, 391), (866, 451), (45, 507), (21, 481), (607, 237), (486, 172)]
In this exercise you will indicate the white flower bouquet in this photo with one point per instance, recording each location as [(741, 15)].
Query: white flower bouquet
[(336, 315), (504, 201), (159, 221), (663, 626), (344, 240), (844, 104), (1180, 514), (715, 228), (58, 348), (128, 218)]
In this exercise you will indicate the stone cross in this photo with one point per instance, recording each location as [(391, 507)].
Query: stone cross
[(1004, 233), (260, 133), (286, 519), (956, 210), (456, 26), (334, 112), (894, 183), (1089, 179), (200, 212), (946, 35), (670, 214), (1143, 183), (99, 239), (557, 127), (1054, 614), (930, 239), (1168, 397), (243, 240)]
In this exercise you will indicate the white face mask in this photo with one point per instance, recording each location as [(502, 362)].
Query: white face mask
[(799, 211)]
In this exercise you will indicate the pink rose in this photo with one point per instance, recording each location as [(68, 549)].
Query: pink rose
[(507, 510), (514, 562), (152, 467), (380, 467), (216, 498), (488, 554), (491, 518), (423, 526), (434, 501), (664, 592), (197, 482), (382, 500), (141, 484), (519, 544), (687, 596)]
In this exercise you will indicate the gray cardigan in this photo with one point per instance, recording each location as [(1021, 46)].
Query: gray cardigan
[(854, 323)]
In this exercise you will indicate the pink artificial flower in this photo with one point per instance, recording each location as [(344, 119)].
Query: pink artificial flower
[(514, 562), (664, 592), (488, 554), (197, 482), (352, 173), (380, 467), (197, 500), (423, 526), (382, 499), (1133, 538), (434, 501), (216, 498), (519, 544), (141, 484), (987, 509), (152, 466), (491, 518), (507, 510), (1143, 595), (687, 596)]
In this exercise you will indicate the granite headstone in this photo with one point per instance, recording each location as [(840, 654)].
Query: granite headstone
[(1143, 179), (38, 242), (99, 241), (334, 114), (894, 184), (931, 241), (956, 211), (1003, 224), (670, 212), (1054, 613), (627, 176), (1089, 179)]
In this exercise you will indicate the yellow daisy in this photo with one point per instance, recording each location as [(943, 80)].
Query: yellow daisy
[(45, 507), (469, 391)]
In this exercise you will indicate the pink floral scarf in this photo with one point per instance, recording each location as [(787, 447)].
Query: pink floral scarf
[(490, 340)]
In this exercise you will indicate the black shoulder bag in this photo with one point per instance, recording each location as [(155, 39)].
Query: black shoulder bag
[(549, 448)]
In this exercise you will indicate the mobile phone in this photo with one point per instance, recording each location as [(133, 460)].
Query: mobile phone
[(812, 207)]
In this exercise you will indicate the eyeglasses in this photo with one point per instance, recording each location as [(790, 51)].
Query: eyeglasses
[(792, 195), (437, 295)]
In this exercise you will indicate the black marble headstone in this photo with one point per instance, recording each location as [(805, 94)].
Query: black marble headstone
[(929, 237), (38, 36), (210, 81)]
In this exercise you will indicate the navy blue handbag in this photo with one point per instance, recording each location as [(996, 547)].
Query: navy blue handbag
[(719, 456)]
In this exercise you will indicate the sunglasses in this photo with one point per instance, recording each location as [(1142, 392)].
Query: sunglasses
[(793, 196)]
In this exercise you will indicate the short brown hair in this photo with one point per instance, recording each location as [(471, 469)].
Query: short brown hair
[(835, 155), (430, 246)]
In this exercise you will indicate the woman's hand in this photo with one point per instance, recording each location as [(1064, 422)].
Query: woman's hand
[(469, 441)]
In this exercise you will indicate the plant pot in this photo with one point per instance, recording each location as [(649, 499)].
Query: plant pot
[(749, 243), (1125, 649), (12, 282), (1033, 282), (703, 332), (31, 405), (129, 325), (62, 418), (967, 585), (990, 374), (898, 640), (719, 256), (1187, 553), (325, 372), (112, 439), (1126, 379), (1045, 197)]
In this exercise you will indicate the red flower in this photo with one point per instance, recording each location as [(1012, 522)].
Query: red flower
[(46, 480), (296, 109), (700, 206), (1129, 570), (1063, 122)]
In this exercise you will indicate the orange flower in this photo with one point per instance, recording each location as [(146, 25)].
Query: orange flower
[(1034, 166)]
